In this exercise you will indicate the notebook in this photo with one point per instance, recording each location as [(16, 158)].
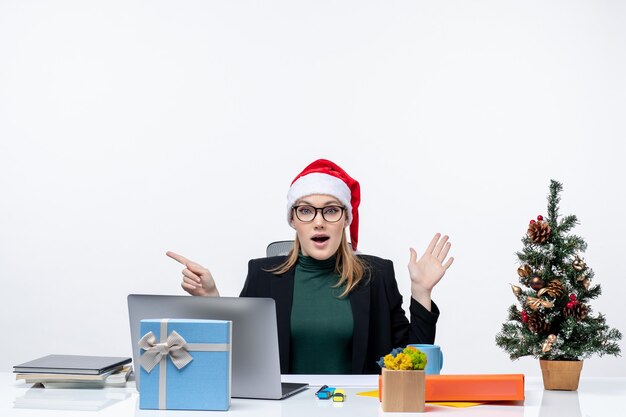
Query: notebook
[(72, 364), (255, 357)]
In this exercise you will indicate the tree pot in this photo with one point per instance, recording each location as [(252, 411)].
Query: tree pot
[(561, 375), (403, 391)]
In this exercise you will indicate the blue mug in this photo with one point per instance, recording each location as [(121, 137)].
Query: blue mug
[(434, 357)]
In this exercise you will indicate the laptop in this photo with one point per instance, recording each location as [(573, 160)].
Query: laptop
[(255, 357)]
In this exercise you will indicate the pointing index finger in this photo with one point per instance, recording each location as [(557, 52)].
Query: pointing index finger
[(178, 258)]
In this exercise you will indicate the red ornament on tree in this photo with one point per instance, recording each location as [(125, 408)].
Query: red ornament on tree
[(524, 317), (570, 305), (532, 221), (540, 217), (572, 297)]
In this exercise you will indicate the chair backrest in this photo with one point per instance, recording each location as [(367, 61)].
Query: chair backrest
[(279, 248)]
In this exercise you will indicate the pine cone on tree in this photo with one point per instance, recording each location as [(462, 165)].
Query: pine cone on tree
[(537, 323), (579, 311), (539, 231), (554, 289)]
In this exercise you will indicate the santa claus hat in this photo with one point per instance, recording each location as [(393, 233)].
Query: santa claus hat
[(326, 177)]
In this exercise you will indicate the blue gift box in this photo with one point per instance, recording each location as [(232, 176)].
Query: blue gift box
[(185, 364)]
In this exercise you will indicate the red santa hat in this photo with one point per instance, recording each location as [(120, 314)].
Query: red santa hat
[(326, 177)]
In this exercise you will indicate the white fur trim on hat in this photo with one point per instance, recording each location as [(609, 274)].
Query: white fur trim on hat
[(318, 183)]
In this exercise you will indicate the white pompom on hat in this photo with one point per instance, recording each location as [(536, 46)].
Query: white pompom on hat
[(326, 177)]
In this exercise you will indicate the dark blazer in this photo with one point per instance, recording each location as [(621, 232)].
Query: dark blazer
[(380, 323)]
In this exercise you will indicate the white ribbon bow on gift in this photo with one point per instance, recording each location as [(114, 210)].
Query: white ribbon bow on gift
[(175, 346)]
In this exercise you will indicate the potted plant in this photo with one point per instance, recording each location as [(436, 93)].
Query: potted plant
[(554, 321), (403, 380)]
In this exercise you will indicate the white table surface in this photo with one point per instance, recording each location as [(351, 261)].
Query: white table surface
[(602, 397)]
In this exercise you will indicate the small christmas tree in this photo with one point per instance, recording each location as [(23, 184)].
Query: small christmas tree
[(556, 321)]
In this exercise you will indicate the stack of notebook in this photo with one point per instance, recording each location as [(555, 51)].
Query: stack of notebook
[(75, 371)]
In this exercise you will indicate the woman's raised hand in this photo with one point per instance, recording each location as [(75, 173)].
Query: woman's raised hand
[(197, 280), (426, 272)]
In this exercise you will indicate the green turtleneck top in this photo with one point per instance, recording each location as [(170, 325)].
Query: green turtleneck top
[(321, 321)]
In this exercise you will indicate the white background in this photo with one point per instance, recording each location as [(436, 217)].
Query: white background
[(128, 128)]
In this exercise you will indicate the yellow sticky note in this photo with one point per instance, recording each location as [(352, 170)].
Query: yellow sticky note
[(455, 404)]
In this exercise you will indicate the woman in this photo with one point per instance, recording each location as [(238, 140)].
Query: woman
[(338, 312)]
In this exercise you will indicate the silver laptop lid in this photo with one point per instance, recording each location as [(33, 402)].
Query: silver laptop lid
[(255, 358)]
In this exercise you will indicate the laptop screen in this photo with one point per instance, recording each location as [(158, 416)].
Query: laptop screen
[(255, 357)]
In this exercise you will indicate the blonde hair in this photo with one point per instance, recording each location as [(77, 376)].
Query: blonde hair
[(350, 268)]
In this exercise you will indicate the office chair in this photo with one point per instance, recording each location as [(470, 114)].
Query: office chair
[(279, 248)]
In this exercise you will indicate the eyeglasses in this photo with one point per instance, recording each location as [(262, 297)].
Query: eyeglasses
[(332, 214)]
